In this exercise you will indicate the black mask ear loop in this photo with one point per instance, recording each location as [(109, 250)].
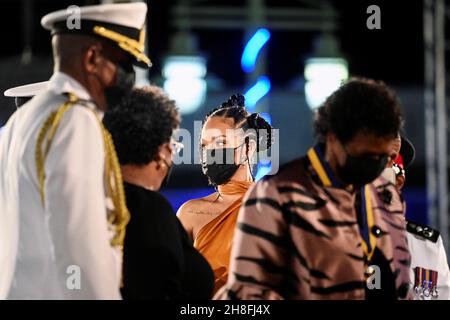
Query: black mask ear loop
[(216, 188), (251, 123), (249, 165), (247, 139)]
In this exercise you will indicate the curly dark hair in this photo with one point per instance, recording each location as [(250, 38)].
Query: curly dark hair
[(359, 104), (141, 123), (234, 108)]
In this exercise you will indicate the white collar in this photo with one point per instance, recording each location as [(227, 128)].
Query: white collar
[(61, 82)]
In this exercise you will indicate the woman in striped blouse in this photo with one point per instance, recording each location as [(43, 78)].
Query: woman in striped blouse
[(318, 228)]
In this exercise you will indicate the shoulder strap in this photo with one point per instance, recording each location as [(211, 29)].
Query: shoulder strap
[(48, 130), (423, 231)]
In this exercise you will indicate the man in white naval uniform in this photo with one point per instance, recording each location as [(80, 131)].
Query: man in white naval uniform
[(61, 204), (429, 276)]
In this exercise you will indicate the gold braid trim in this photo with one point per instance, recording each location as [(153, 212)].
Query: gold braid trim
[(50, 124), (117, 218), (135, 48), (120, 216)]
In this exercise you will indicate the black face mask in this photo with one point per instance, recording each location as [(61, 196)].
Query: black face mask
[(219, 165), (361, 170), (124, 85)]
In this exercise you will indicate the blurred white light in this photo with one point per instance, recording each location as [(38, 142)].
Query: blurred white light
[(185, 81), (141, 77), (186, 65), (323, 76)]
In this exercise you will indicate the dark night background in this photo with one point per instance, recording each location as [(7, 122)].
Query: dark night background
[(393, 54)]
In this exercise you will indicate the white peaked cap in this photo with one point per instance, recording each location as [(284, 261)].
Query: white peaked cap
[(130, 15), (28, 90), (122, 23)]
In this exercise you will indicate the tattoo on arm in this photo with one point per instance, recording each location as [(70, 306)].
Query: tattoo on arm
[(201, 212)]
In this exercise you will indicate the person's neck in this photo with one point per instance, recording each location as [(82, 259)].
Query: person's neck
[(76, 75), (141, 176), (243, 174), (71, 72)]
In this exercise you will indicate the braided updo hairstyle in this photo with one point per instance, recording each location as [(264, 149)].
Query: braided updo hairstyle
[(234, 108), (254, 126)]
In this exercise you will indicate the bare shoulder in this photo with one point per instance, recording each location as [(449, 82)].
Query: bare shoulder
[(192, 206), (190, 214)]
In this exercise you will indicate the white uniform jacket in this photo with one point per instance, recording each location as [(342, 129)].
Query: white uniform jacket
[(61, 251), (428, 263)]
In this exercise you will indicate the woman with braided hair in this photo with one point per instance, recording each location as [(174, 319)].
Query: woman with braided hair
[(230, 140)]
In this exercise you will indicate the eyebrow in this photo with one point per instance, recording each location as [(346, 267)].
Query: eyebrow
[(214, 138)]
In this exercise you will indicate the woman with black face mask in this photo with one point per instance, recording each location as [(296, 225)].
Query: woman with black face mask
[(231, 137), (159, 260)]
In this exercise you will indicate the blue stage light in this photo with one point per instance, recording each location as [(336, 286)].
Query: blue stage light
[(263, 169), (257, 92), (266, 117), (252, 49)]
